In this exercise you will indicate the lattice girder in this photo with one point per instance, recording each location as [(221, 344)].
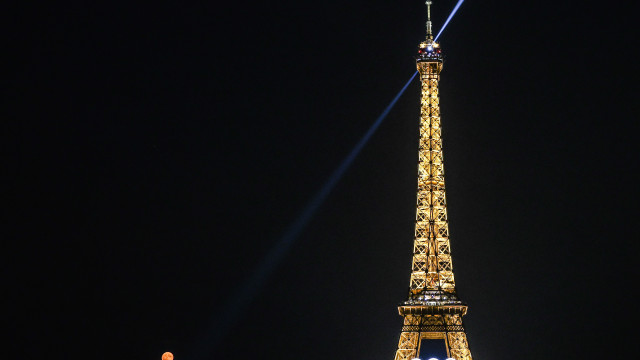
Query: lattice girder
[(432, 310), (407, 346), (447, 327), (428, 314)]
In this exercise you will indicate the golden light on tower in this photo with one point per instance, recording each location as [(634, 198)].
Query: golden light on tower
[(432, 311)]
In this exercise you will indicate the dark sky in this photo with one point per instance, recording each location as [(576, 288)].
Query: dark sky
[(156, 154)]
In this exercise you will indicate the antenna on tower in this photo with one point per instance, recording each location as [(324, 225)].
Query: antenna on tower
[(429, 32)]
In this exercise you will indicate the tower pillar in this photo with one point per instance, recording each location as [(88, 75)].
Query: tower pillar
[(432, 311)]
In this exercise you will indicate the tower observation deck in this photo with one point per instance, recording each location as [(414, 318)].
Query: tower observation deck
[(432, 311)]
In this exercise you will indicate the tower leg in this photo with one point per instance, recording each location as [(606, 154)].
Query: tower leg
[(407, 346), (447, 327), (458, 346)]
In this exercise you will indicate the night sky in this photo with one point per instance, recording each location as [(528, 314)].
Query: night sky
[(157, 153)]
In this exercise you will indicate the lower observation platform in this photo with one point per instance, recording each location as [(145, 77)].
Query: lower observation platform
[(432, 302)]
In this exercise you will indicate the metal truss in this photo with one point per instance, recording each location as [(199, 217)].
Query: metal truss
[(432, 268), (433, 327), (432, 309)]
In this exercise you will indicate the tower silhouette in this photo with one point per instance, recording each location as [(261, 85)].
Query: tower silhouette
[(432, 312)]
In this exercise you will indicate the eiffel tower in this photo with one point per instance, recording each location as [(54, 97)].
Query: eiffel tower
[(432, 312)]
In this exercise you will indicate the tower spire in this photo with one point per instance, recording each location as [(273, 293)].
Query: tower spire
[(429, 32)]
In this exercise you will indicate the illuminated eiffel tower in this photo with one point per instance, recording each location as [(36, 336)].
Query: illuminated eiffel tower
[(432, 312)]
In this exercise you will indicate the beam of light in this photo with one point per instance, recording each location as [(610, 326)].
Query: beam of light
[(241, 298), (449, 19)]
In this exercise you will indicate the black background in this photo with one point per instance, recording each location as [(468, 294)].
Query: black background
[(156, 154)]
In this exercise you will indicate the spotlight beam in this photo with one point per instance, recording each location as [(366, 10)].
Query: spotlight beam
[(242, 297), (455, 9)]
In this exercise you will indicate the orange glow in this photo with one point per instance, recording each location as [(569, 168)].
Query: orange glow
[(167, 356)]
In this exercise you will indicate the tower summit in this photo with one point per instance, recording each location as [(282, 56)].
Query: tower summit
[(432, 312), (429, 32)]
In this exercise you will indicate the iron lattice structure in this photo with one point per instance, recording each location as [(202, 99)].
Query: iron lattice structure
[(432, 309)]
